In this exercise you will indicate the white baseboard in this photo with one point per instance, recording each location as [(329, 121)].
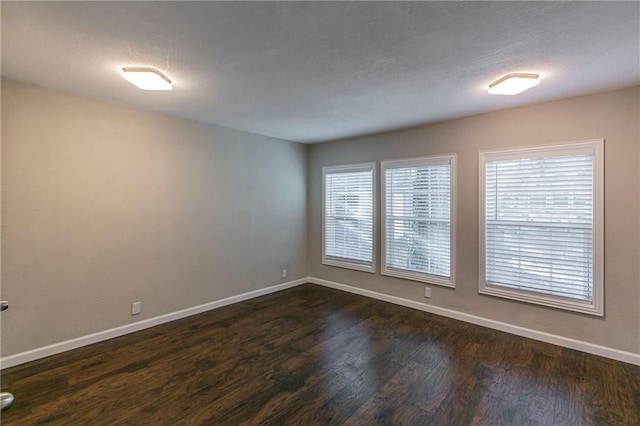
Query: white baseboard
[(629, 357), (45, 351)]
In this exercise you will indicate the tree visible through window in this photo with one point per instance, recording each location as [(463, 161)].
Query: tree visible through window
[(418, 216)]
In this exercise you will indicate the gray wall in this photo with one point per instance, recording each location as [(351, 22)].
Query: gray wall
[(612, 116), (103, 205)]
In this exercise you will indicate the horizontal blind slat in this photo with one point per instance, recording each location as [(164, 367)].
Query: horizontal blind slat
[(539, 224), (349, 216), (418, 218)]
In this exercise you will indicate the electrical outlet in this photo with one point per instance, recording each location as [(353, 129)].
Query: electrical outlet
[(285, 273), (427, 292), (135, 308)]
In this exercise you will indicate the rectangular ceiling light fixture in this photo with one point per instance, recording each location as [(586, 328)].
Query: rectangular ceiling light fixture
[(146, 78), (512, 84)]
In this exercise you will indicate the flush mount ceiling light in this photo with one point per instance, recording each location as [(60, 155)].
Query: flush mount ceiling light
[(512, 84), (146, 78)]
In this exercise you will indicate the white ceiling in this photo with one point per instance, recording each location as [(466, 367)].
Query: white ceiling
[(317, 71)]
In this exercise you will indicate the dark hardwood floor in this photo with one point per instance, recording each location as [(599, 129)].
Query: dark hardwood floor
[(312, 355)]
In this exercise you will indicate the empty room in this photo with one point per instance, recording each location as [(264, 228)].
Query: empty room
[(320, 213)]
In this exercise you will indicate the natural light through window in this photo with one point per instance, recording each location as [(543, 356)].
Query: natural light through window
[(541, 225), (418, 200), (348, 216)]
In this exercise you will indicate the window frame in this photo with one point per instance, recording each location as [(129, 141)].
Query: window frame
[(414, 275), (345, 263), (594, 306)]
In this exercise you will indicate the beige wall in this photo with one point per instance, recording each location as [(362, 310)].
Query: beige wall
[(103, 205), (613, 116)]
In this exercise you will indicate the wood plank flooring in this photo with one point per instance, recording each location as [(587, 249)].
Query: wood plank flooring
[(317, 356)]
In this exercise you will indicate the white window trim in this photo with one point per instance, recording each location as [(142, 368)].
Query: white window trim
[(343, 264), (417, 276), (595, 307)]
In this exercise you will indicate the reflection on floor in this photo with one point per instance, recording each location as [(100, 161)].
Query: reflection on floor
[(312, 355)]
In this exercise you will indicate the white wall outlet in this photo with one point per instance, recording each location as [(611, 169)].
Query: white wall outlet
[(285, 273), (135, 308), (427, 292)]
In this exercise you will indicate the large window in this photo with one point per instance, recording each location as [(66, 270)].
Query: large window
[(417, 206), (348, 216), (541, 225)]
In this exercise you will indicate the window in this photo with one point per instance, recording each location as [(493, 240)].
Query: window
[(348, 216), (541, 225), (417, 237)]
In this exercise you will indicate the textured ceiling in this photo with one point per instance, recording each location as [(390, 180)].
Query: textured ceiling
[(316, 71)]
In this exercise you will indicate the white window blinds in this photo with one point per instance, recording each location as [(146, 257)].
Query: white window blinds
[(349, 195), (417, 222), (539, 210)]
